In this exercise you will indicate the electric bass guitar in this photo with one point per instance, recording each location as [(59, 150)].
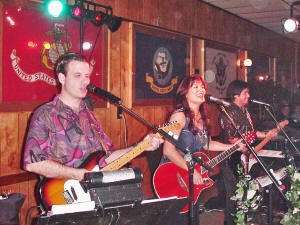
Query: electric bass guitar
[(62, 191), (258, 147), (171, 180)]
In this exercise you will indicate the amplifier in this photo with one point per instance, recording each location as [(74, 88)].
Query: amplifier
[(114, 188)]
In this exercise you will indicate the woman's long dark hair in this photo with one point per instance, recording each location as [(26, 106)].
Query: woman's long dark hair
[(182, 104)]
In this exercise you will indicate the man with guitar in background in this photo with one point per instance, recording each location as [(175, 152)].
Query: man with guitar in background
[(64, 132), (238, 92)]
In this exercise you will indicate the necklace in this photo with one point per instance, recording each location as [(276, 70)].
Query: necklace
[(201, 134)]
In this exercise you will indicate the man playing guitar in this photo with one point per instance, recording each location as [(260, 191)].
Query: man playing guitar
[(64, 132), (238, 92)]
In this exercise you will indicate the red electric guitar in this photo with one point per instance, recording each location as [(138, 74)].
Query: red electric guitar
[(62, 191), (170, 180)]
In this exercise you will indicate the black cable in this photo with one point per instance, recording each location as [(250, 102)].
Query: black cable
[(94, 45), (29, 213)]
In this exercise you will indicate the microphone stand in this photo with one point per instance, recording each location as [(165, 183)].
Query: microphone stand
[(270, 191), (277, 125), (261, 162), (190, 157)]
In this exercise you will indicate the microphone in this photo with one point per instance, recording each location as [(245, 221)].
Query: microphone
[(260, 103), (104, 94), (217, 100)]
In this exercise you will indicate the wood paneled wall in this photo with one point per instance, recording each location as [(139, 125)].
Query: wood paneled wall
[(191, 17)]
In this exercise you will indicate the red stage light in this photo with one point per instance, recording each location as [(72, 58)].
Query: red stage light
[(98, 18), (77, 12), (261, 77)]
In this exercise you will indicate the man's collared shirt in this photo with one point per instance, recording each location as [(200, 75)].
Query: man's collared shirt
[(57, 133)]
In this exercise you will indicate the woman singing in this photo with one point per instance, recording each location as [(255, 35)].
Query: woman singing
[(190, 112)]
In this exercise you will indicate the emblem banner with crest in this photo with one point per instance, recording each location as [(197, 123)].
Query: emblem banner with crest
[(31, 47), (161, 61)]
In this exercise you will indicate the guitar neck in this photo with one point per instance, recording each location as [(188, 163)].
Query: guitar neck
[(127, 157), (262, 143), (139, 149), (219, 158), (269, 137)]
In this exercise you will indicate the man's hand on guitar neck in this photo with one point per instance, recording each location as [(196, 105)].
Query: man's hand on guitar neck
[(155, 141)]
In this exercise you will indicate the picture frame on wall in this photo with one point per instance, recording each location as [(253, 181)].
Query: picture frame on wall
[(160, 61), (28, 70), (220, 68)]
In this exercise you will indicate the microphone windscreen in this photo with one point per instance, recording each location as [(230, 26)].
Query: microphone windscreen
[(90, 88)]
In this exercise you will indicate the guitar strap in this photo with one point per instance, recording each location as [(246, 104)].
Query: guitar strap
[(96, 132), (104, 145), (249, 119), (246, 156)]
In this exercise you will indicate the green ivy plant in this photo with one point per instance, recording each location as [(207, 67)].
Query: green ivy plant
[(292, 216), (248, 205)]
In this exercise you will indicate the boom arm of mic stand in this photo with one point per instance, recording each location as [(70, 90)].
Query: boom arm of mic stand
[(176, 143), (285, 134), (261, 162)]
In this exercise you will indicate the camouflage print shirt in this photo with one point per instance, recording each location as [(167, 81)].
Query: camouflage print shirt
[(57, 133)]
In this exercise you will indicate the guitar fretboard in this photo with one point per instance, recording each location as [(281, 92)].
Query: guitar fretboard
[(137, 150), (118, 163), (219, 158)]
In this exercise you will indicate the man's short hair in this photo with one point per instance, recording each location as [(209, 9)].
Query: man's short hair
[(64, 60), (235, 88)]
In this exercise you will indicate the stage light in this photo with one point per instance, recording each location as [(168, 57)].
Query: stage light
[(246, 63), (86, 45), (77, 12), (113, 23), (97, 18), (290, 25), (55, 7), (260, 77)]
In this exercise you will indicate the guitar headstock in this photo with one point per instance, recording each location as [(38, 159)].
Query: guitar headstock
[(171, 126), (250, 136), (282, 124)]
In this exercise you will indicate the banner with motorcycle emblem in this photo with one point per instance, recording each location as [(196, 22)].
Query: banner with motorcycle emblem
[(32, 42)]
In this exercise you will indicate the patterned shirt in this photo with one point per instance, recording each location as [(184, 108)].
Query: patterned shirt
[(57, 133), (243, 122), (241, 119)]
